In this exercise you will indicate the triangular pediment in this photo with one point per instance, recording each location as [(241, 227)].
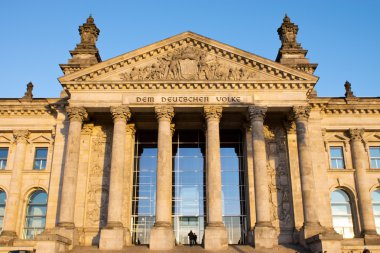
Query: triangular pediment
[(4, 139), (41, 139), (188, 57)]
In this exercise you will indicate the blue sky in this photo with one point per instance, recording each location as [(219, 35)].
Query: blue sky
[(342, 36)]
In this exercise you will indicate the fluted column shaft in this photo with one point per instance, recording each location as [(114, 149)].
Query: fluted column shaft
[(257, 115), (301, 115), (120, 117), (164, 167), (213, 179), (13, 198), (70, 174), (359, 160)]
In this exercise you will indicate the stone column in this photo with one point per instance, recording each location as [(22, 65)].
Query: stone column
[(113, 236), (360, 164), (311, 224), (13, 198), (215, 237), (264, 232), (70, 173), (162, 235)]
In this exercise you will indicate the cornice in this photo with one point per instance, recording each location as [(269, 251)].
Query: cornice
[(171, 85), (25, 110), (194, 40)]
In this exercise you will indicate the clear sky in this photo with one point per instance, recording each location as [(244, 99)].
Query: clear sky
[(342, 36)]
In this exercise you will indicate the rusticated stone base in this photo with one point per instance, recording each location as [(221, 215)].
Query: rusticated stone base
[(215, 238), (114, 238), (265, 237), (162, 238)]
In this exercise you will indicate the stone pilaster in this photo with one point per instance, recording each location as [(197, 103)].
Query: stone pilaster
[(13, 198), (161, 235), (360, 164), (311, 224), (215, 237), (113, 236), (264, 232)]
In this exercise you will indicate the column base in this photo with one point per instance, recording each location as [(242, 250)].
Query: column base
[(215, 237), (328, 241), (371, 238), (7, 238), (49, 242), (308, 230), (114, 238), (162, 237), (264, 236)]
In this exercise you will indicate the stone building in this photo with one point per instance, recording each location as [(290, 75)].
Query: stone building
[(189, 134)]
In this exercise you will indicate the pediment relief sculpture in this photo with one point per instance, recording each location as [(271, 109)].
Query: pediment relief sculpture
[(189, 63)]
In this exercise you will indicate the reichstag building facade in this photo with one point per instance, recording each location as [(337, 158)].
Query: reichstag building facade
[(189, 134)]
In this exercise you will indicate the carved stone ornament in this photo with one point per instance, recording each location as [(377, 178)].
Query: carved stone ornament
[(172, 129), (164, 112), (89, 32), (87, 129), (21, 136), (288, 34), (257, 112), (29, 92), (120, 112), (76, 113), (301, 112), (131, 130), (188, 63), (356, 134), (213, 112)]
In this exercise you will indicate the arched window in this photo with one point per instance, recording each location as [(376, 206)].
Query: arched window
[(35, 214), (341, 213), (3, 197), (376, 208)]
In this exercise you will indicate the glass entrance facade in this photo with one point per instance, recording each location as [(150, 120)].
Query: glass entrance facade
[(189, 187)]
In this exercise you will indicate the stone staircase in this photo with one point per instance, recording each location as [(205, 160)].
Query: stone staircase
[(195, 249)]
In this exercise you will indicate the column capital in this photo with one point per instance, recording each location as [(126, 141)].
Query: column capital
[(76, 113), (172, 129), (301, 112), (120, 113), (131, 130), (21, 136), (356, 134), (257, 113), (164, 112), (212, 112)]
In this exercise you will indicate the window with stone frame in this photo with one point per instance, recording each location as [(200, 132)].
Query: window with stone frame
[(40, 158), (3, 158), (336, 157), (374, 154)]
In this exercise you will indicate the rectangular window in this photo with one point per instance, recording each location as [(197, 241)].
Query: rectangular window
[(3, 158), (374, 153), (40, 158), (336, 157)]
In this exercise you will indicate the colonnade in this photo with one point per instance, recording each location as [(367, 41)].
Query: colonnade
[(162, 236)]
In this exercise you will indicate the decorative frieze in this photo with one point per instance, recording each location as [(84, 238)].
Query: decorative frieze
[(213, 112)]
